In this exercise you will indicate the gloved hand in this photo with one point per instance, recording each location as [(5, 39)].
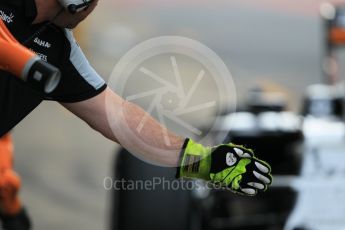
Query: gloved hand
[(228, 165)]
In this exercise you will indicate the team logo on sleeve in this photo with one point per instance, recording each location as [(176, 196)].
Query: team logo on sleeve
[(42, 43)]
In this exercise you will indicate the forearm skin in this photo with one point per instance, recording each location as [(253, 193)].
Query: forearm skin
[(143, 136), (118, 120)]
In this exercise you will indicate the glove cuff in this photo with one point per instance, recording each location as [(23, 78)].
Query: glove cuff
[(195, 161), (178, 169)]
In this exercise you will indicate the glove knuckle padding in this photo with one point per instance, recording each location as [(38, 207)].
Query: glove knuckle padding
[(219, 158), (245, 152), (225, 156), (229, 167)]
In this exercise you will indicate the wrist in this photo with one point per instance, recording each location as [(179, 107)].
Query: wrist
[(195, 161)]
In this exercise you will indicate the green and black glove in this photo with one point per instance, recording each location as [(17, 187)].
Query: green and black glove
[(228, 165)]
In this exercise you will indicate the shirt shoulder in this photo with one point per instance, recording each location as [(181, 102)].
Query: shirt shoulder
[(79, 80)]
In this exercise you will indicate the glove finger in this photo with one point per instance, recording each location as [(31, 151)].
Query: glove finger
[(256, 185), (250, 181), (264, 163), (263, 168), (265, 179), (249, 191), (253, 179)]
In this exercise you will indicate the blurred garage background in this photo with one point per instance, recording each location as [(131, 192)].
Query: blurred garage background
[(63, 162)]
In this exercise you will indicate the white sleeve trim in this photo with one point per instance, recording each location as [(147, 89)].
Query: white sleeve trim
[(81, 64)]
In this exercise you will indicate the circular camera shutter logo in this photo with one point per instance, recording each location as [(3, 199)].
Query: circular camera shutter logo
[(180, 82)]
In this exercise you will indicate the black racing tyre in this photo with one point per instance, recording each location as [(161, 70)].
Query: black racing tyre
[(147, 209)]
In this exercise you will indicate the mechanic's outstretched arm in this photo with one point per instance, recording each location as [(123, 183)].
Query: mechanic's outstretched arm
[(233, 166), (118, 119)]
